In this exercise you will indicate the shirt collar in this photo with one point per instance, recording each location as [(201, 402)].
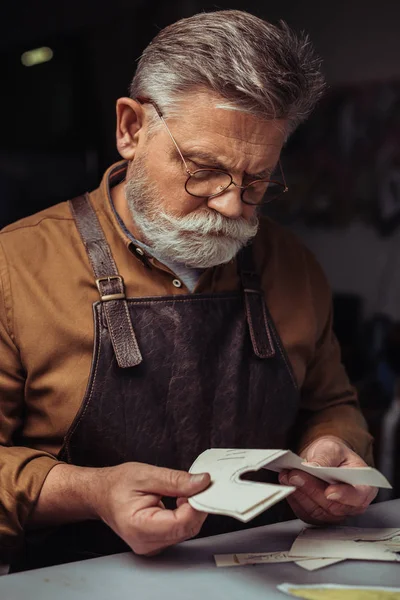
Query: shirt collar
[(114, 175)]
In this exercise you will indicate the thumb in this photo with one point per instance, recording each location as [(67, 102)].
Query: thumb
[(324, 453), (169, 482)]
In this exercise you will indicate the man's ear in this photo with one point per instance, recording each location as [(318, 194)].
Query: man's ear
[(130, 116)]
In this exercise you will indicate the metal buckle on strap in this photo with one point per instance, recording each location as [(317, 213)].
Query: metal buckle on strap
[(106, 297)]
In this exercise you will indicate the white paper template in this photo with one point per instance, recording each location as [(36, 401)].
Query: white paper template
[(244, 500), (239, 560), (315, 548), (312, 564), (257, 558), (348, 542), (353, 476), (227, 493)]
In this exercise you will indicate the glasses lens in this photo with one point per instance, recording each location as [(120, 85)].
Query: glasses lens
[(260, 192), (206, 182)]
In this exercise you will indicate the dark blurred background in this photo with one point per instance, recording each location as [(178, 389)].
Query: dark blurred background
[(63, 65)]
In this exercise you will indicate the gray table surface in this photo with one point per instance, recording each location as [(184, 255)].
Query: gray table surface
[(188, 572)]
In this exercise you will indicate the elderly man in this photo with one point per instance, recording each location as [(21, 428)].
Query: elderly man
[(160, 316)]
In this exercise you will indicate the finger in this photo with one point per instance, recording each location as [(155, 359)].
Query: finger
[(310, 512), (147, 501), (161, 540), (359, 496), (169, 482), (154, 552), (154, 528), (283, 477), (317, 510), (335, 512), (180, 501), (309, 485), (310, 494)]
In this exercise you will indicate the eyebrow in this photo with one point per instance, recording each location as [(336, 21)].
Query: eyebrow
[(211, 161)]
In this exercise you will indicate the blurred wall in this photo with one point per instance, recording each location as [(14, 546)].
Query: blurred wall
[(58, 118), (359, 42)]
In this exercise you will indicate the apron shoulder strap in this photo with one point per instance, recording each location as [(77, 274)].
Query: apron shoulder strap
[(256, 310), (108, 281)]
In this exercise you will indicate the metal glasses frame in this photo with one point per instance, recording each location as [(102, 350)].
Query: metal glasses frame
[(145, 100)]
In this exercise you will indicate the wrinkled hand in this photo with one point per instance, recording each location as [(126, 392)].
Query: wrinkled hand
[(129, 501), (317, 502)]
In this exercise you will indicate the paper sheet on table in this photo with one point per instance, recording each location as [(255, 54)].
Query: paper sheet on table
[(244, 500), (257, 558), (313, 564), (330, 591), (348, 542)]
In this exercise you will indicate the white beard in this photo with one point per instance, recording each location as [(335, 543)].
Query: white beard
[(201, 239)]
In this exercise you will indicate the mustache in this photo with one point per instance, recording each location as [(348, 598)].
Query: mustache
[(203, 222), (206, 222), (200, 239)]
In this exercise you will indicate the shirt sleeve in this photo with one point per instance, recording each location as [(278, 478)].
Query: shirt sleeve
[(329, 403), (22, 470)]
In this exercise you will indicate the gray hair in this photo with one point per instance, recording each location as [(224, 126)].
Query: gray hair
[(266, 70)]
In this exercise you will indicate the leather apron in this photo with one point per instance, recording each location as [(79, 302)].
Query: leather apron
[(171, 377)]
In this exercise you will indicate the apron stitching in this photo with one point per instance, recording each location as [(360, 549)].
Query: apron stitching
[(93, 378), (115, 346), (250, 328), (266, 323), (257, 344), (288, 366), (129, 319)]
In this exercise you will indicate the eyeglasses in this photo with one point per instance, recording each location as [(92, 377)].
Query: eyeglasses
[(208, 183)]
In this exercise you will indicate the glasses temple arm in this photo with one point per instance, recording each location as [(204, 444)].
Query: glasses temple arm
[(175, 144), (143, 100), (283, 175)]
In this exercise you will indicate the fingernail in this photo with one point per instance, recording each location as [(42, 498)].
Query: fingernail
[(283, 479), (334, 496), (297, 481), (199, 478)]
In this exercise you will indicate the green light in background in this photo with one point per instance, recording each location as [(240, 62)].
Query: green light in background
[(36, 56)]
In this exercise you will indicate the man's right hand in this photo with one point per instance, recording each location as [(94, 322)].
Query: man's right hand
[(130, 503), (127, 498)]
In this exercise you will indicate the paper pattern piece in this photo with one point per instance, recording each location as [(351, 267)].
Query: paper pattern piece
[(348, 542), (244, 500), (228, 494), (315, 548), (257, 558), (239, 560), (330, 591), (312, 564), (353, 476)]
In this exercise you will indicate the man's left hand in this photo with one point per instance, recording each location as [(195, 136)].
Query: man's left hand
[(317, 502)]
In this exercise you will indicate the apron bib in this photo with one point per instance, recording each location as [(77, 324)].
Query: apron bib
[(171, 377)]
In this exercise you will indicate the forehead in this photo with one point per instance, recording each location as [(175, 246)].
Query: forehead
[(204, 126)]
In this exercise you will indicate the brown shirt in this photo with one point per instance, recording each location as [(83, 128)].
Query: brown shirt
[(46, 337)]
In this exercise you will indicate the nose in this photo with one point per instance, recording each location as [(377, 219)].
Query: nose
[(228, 203)]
